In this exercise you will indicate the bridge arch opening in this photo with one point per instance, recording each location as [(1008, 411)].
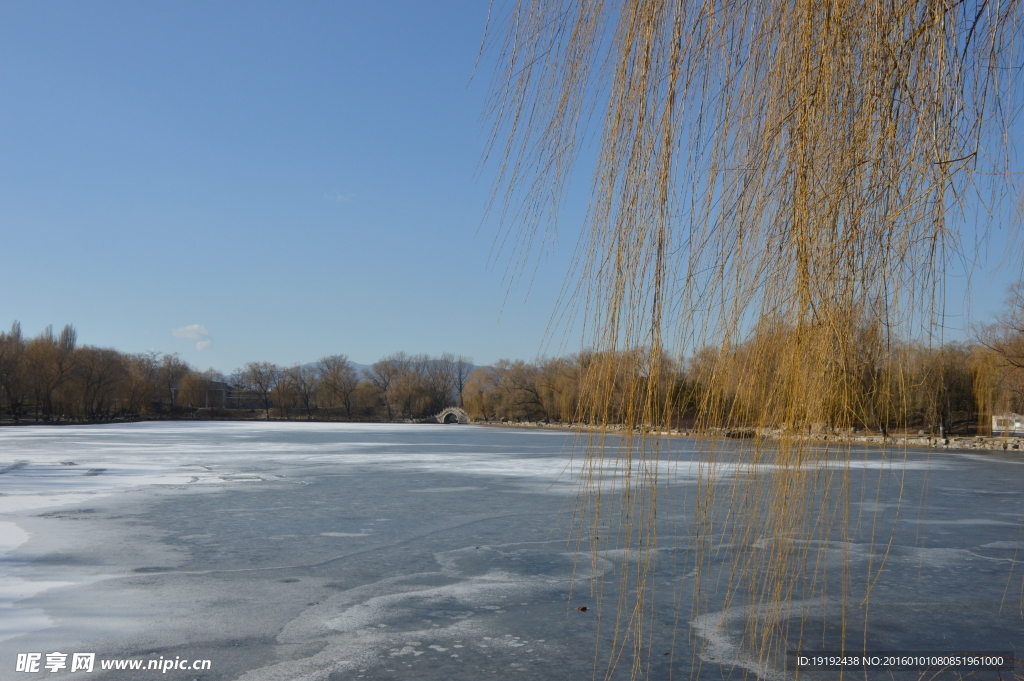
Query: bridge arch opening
[(451, 417)]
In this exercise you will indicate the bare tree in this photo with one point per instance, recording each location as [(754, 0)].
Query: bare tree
[(259, 378), (305, 384), (283, 395), (50, 361), (410, 391), (339, 380), (520, 382), (462, 369), (484, 394), (140, 386), (171, 370), (13, 378), (439, 385), (98, 372), (385, 375)]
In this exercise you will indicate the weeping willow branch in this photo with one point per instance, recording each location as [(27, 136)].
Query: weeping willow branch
[(787, 171)]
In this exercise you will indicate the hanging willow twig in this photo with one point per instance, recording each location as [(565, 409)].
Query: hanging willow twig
[(777, 191)]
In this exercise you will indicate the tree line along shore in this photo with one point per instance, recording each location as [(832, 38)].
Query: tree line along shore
[(914, 389)]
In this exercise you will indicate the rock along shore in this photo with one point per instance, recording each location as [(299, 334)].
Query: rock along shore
[(964, 442)]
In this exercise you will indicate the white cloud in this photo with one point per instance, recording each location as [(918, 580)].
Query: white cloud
[(196, 332), (340, 198), (193, 331)]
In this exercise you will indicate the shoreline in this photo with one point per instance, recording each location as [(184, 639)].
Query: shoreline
[(951, 442)]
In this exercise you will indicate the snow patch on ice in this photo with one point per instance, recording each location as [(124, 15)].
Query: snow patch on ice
[(721, 630), (11, 537), (16, 621)]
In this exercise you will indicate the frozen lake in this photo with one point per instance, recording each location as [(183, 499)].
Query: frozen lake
[(329, 552)]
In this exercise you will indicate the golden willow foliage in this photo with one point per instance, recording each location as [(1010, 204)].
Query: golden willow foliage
[(786, 166), (50, 377), (951, 389)]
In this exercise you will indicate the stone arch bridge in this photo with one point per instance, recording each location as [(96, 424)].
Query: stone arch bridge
[(453, 415)]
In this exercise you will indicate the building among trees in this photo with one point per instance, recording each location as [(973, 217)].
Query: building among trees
[(1008, 424)]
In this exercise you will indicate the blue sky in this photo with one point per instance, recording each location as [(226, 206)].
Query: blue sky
[(240, 181), (297, 179)]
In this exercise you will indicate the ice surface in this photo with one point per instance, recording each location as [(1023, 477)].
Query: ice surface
[(336, 551), (16, 621)]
